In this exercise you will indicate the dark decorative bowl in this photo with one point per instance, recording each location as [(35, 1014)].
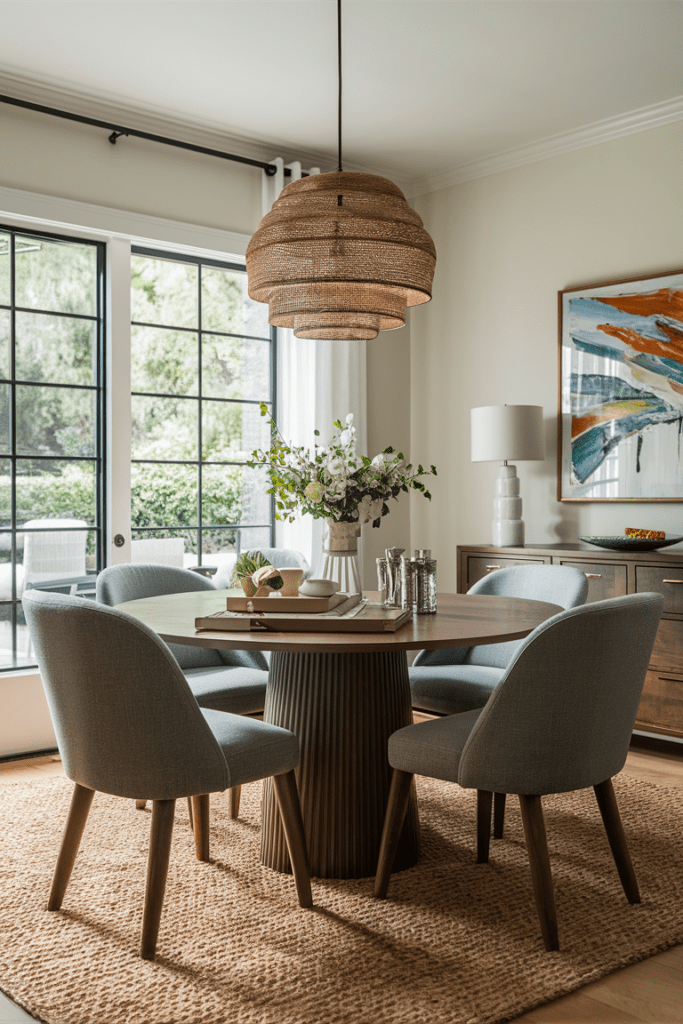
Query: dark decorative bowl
[(630, 543)]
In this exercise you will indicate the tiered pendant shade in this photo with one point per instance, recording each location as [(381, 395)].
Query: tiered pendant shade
[(340, 256)]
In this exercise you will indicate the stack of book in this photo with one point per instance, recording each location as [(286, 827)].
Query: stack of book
[(343, 613)]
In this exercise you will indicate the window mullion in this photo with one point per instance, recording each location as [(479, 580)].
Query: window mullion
[(119, 431)]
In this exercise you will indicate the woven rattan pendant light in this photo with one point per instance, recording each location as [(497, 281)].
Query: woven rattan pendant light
[(340, 256)]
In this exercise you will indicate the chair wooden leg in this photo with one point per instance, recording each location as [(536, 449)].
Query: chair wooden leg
[(498, 815), (190, 812), (234, 801), (393, 823), (287, 796), (200, 823), (484, 798), (140, 805), (539, 861), (607, 802), (163, 812), (81, 802)]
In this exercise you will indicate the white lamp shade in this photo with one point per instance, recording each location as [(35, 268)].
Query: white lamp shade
[(507, 432)]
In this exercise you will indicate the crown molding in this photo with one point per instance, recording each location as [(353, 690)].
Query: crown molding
[(210, 134), (641, 120)]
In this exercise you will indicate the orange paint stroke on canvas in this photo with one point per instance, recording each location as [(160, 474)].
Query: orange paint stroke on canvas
[(653, 346), (605, 413), (665, 302)]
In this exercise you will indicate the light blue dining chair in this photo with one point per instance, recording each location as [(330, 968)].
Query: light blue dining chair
[(233, 681), (455, 679), (560, 719), (128, 724)]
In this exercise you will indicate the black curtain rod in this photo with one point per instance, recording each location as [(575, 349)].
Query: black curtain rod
[(117, 131)]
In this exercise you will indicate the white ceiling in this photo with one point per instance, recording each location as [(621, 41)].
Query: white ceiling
[(431, 89)]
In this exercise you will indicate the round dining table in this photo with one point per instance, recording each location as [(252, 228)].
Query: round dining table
[(343, 694)]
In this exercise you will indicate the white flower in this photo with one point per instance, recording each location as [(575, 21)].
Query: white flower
[(369, 509), (335, 466), (349, 419), (378, 463), (345, 438)]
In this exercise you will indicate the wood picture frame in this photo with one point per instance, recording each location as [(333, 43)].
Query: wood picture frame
[(620, 420)]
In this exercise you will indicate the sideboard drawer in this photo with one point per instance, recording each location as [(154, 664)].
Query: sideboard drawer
[(666, 580), (611, 574), (604, 580), (478, 567), (667, 655), (661, 706)]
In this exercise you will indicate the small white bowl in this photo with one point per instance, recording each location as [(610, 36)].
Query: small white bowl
[(319, 588)]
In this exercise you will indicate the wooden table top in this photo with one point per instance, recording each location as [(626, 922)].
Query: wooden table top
[(462, 620)]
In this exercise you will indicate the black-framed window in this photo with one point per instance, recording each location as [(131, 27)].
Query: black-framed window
[(202, 359), (52, 492)]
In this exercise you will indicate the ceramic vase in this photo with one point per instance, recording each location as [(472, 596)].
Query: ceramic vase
[(248, 586), (341, 537), (339, 559)]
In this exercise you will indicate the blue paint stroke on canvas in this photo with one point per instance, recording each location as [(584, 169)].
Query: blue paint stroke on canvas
[(625, 411), (631, 377)]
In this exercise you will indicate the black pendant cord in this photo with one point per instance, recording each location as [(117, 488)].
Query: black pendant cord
[(339, 72)]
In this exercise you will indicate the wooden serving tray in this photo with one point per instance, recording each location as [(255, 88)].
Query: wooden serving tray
[(370, 619), (237, 602)]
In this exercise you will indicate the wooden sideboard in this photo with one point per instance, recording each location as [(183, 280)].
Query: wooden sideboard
[(610, 574)]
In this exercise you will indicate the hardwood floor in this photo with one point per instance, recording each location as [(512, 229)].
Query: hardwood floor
[(651, 991), (648, 991)]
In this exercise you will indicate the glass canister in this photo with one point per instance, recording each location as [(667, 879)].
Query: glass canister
[(392, 592), (425, 584), (407, 582), (382, 577)]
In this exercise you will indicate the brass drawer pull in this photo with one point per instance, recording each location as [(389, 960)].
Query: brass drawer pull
[(593, 575), (672, 581), (490, 567)]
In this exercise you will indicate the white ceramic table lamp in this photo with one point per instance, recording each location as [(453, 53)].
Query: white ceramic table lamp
[(499, 433)]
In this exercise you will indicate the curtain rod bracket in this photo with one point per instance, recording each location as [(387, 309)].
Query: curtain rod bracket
[(116, 135)]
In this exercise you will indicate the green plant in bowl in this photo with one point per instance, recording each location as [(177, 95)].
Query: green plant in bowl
[(245, 568)]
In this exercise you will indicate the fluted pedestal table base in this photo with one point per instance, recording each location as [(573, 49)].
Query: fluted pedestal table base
[(342, 708)]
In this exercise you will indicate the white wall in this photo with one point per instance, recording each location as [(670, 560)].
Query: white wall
[(40, 153), (25, 724), (388, 387), (506, 245)]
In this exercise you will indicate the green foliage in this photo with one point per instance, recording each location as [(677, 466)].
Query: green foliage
[(163, 497), (57, 277), (247, 565), (71, 495), (332, 481)]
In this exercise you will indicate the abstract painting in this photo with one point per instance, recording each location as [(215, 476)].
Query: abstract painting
[(621, 391)]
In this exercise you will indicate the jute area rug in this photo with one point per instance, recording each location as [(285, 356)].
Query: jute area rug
[(454, 942)]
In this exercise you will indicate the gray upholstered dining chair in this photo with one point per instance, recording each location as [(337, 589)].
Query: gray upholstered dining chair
[(233, 681), (560, 719), (454, 679), (127, 724)]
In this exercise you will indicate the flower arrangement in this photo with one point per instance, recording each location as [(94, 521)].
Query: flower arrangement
[(256, 571), (332, 481)]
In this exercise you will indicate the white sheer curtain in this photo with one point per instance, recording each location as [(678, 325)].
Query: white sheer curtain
[(317, 383)]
